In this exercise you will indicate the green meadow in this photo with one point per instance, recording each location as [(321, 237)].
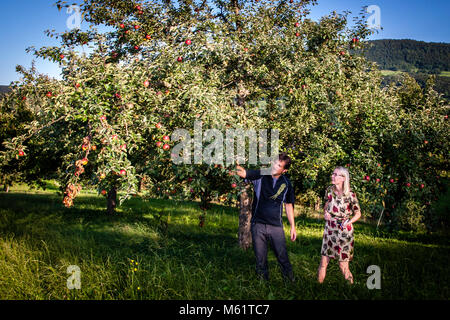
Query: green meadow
[(155, 249)]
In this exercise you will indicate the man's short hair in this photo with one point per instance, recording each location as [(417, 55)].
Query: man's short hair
[(283, 156)]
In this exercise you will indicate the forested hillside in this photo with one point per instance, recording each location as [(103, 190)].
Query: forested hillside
[(418, 58), (410, 55)]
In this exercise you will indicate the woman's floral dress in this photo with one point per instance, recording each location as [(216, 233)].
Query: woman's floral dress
[(337, 241)]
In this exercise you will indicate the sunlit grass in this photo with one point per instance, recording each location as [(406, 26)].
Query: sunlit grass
[(156, 250)]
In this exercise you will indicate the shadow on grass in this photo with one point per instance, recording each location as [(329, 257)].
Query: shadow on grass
[(408, 270)]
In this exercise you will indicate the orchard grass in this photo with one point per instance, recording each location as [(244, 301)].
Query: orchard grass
[(155, 249)]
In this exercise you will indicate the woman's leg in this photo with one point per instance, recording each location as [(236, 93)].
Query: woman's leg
[(343, 265), (321, 273)]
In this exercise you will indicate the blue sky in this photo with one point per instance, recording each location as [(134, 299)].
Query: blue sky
[(22, 24)]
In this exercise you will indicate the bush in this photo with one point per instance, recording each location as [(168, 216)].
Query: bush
[(410, 216)]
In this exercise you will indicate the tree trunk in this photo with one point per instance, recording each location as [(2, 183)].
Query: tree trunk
[(245, 236), (6, 188), (317, 205), (205, 200), (317, 210), (112, 201)]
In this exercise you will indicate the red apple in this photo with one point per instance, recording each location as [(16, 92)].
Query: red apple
[(408, 184), (122, 25), (84, 161), (391, 180), (146, 83), (136, 47), (367, 178), (233, 185), (188, 42), (158, 125), (118, 96), (297, 34), (61, 56), (49, 94), (21, 153), (103, 192), (166, 138), (297, 24), (166, 146), (158, 144), (148, 37), (180, 59), (136, 27), (378, 180), (84, 147), (123, 172)]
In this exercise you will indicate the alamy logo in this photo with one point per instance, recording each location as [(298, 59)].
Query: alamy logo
[(374, 20), (374, 280), (74, 281), (221, 149), (74, 21)]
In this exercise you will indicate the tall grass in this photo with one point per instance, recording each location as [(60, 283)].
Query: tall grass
[(156, 250)]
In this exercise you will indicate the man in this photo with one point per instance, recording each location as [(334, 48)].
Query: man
[(270, 192)]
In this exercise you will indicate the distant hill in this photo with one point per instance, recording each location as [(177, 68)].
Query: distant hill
[(4, 89), (418, 58), (410, 55)]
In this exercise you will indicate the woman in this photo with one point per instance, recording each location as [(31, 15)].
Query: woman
[(341, 203)]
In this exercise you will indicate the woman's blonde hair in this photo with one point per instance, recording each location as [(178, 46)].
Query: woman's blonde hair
[(345, 172)]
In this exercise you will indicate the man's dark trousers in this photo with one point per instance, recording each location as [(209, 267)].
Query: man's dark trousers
[(262, 235)]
